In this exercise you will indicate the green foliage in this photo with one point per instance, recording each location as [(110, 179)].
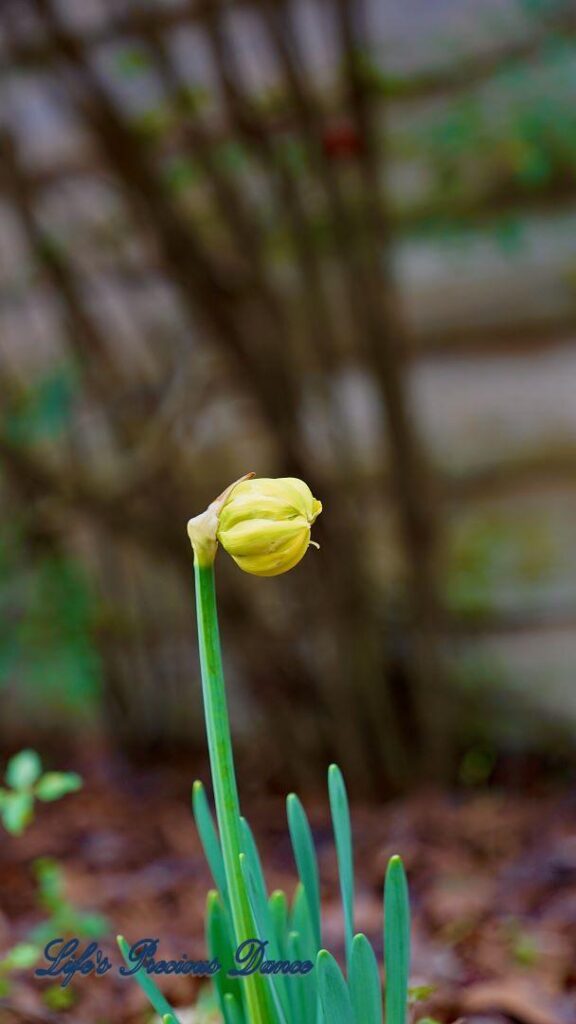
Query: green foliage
[(491, 553), (54, 785), (523, 944), (41, 411), (477, 765), (26, 783), (295, 935), (58, 626), (508, 140), (343, 837), (22, 957), (293, 932), (133, 61), (210, 841), (48, 610), (241, 910), (147, 985), (46, 635), (333, 990), (23, 770), (63, 917), (365, 981), (63, 920), (418, 993), (305, 855), (58, 999), (396, 942), (180, 173), (16, 811)]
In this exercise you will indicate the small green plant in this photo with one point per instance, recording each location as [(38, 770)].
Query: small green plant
[(265, 526), (64, 919), (25, 782), (21, 957)]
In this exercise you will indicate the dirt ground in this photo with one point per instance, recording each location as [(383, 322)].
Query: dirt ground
[(492, 877)]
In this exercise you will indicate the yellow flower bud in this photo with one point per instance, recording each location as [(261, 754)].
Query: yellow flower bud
[(265, 524)]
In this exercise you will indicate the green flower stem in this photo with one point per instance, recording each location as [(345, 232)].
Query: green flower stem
[(223, 774)]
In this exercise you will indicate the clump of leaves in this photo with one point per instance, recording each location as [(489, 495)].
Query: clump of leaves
[(293, 931), (26, 782)]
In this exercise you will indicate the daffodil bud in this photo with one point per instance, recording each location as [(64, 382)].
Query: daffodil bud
[(265, 524)]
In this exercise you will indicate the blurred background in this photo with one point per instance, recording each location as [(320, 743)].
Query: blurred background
[(333, 239), (321, 238)]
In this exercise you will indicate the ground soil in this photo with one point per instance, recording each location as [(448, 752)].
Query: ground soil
[(492, 877)]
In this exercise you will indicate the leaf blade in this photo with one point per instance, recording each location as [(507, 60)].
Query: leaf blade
[(343, 837), (23, 770), (220, 943), (396, 941), (306, 861), (209, 839), (150, 989), (333, 991), (365, 987)]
